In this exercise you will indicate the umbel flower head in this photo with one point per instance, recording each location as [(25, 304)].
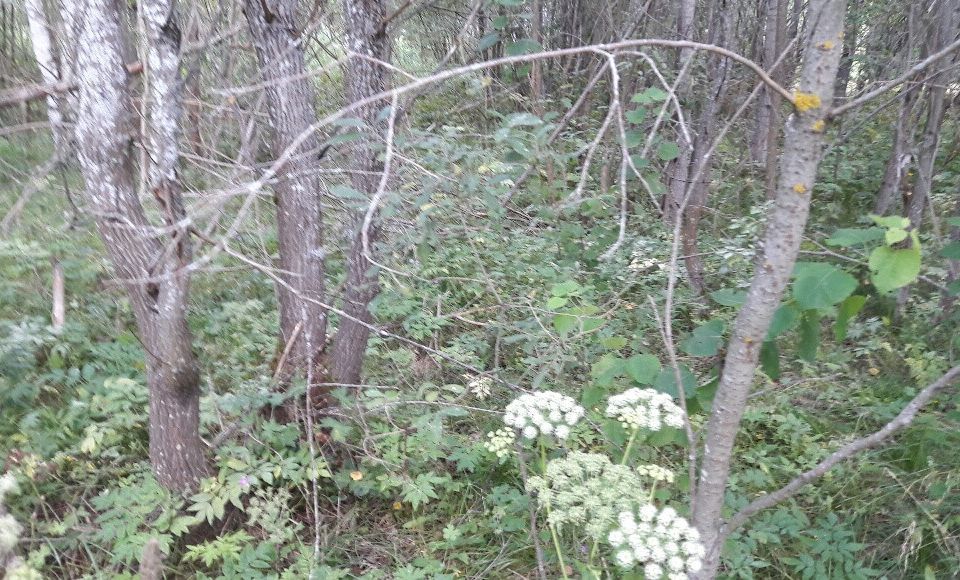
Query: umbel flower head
[(644, 409), (661, 541), (544, 412), (500, 441), (656, 472), (587, 491)]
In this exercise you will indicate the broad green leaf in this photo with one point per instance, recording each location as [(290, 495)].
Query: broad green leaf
[(820, 285), (556, 302), (642, 368), (729, 297), (564, 323), (634, 138), (522, 46), (510, 2), (848, 309), (953, 221), (891, 221), (705, 340), (784, 318), (651, 95), (951, 251), (892, 268), (614, 342), (349, 122), (666, 382), (606, 369), (847, 237), (568, 288), (668, 150), (592, 394), (770, 359), (344, 138), (636, 116), (487, 41), (894, 235), (342, 191), (809, 335), (501, 22)]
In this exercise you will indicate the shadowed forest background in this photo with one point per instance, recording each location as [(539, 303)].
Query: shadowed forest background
[(401, 289)]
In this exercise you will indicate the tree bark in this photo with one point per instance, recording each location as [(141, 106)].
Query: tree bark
[(365, 77), (298, 191), (48, 62), (147, 262), (798, 167)]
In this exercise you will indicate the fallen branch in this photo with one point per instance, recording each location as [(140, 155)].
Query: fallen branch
[(849, 450)]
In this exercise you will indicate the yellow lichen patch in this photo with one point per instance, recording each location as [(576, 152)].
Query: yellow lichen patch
[(800, 188), (806, 101), (818, 126), (825, 45)]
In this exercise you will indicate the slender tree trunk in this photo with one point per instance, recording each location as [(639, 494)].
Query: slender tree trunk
[(765, 116), (717, 67), (48, 62), (364, 77), (680, 168), (298, 193), (798, 168), (147, 263)]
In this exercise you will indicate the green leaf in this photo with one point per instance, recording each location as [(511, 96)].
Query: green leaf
[(344, 138), (607, 368), (567, 288), (953, 221), (785, 318), (642, 368), (705, 340), (729, 297), (666, 382), (848, 309), (510, 2), (636, 116), (891, 221), (951, 251), (614, 342), (523, 120), (847, 237), (592, 394), (343, 191), (564, 323), (634, 138), (668, 150), (523, 46), (892, 268), (556, 302), (651, 95), (894, 235), (487, 41), (501, 22), (770, 360), (820, 285), (809, 335)]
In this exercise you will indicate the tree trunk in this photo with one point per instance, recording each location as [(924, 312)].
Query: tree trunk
[(147, 263), (765, 116), (717, 67), (292, 106), (900, 158), (364, 78), (798, 168), (48, 62)]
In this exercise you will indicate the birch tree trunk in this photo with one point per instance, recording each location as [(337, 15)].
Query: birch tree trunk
[(804, 139), (298, 193), (48, 61), (147, 261), (368, 43)]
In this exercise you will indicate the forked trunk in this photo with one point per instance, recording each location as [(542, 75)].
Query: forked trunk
[(147, 262)]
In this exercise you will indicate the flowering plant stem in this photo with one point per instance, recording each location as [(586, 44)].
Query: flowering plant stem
[(553, 530), (626, 450)]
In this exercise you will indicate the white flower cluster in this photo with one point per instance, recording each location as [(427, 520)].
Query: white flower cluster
[(544, 412), (644, 409), (500, 441), (586, 490), (659, 540), (480, 386), (656, 473)]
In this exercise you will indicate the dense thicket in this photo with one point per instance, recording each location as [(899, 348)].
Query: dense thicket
[(531, 288)]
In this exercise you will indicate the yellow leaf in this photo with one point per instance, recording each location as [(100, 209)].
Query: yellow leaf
[(356, 475)]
